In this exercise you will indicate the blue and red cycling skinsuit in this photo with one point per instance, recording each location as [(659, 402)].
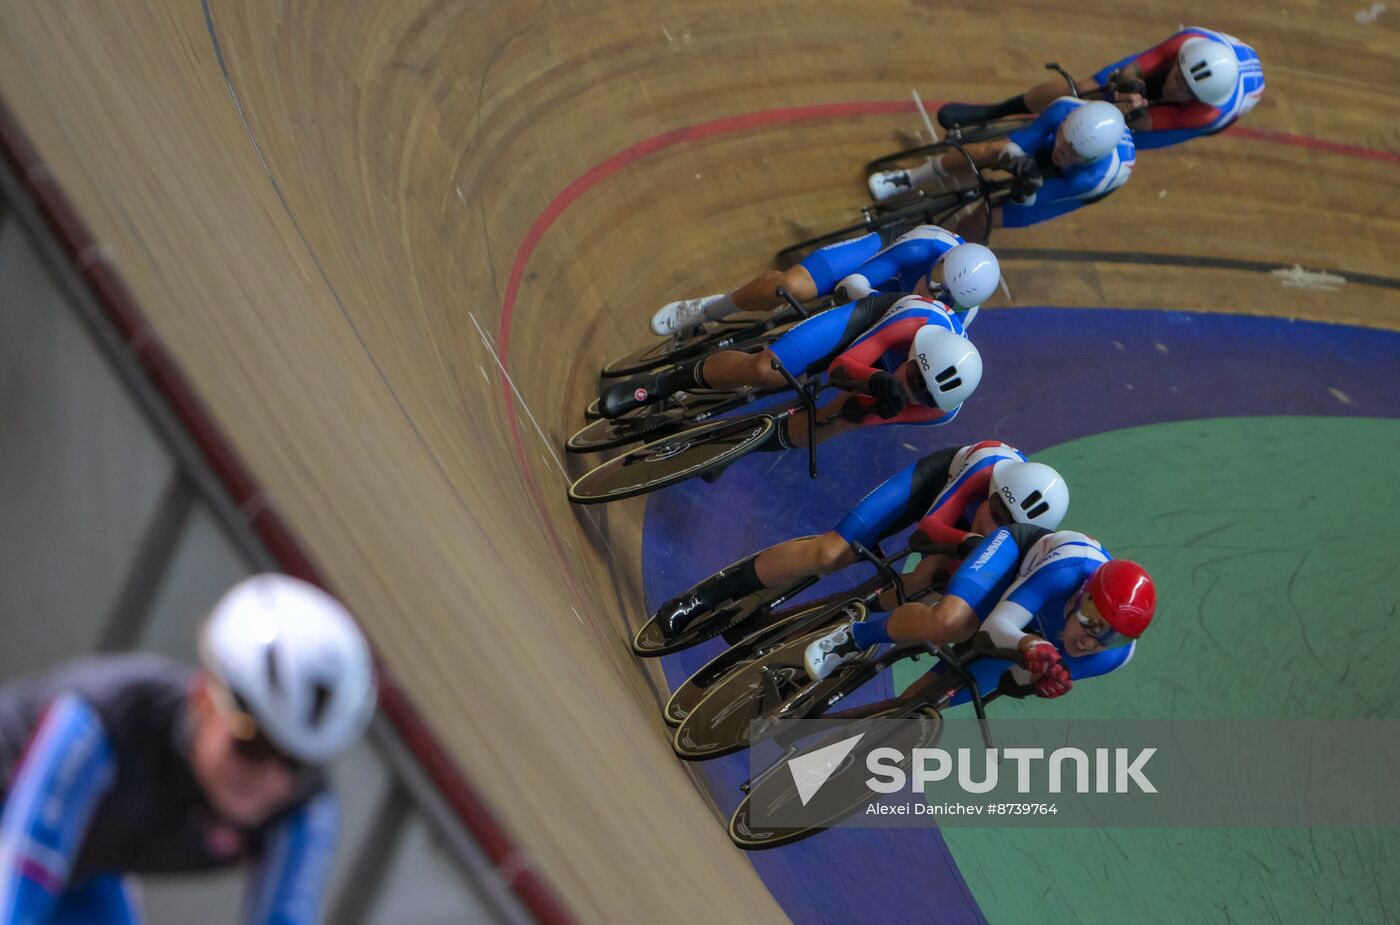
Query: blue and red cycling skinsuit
[(1173, 123), (98, 784), (942, 492), (864, 337)]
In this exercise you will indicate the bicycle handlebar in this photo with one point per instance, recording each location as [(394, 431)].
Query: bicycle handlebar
[(806, 393), (791, 300), (883, 567), (1073, 87)]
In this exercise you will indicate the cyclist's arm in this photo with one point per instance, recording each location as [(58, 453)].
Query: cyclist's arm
[(1008, 619), (939, 524), (1100, 663), (1040, 134), (67, 769), (917, 249), (852, 370), (1077, 185), (915, 413), (1160, 58), (289, 885), (1178, 116)]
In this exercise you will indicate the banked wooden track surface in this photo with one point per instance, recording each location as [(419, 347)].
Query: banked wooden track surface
[(348, 221)]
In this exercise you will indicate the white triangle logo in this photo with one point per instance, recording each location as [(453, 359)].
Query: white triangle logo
[(811, 770)]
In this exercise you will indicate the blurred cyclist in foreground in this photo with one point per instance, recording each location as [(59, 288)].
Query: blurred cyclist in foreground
[(125, 764)]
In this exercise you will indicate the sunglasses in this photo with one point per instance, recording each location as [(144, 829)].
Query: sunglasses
[(1095, 625)]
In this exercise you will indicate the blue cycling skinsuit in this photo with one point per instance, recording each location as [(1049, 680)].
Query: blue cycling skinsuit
[(1026, 579), (1068, 188), (1173, 123), (866, 336), (97, 784), (942, 492), (882, 261)]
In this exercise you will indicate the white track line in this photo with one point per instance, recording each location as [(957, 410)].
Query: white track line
[(491, 348)]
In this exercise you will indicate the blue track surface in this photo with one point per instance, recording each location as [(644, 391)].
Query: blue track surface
[(1052, 375)]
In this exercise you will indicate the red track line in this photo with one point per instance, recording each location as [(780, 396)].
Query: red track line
[(1316, 144), (111, 294)]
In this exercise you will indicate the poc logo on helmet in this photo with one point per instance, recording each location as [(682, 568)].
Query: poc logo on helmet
[(923, 362), (1010, 498)]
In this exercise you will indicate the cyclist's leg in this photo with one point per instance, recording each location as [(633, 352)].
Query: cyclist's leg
[(1039, 97), (760, 294), (828, 265), (950, 170), (1032, 102), (102, 899), (972, 593), (807, 348), (814, 276), (875, 517)]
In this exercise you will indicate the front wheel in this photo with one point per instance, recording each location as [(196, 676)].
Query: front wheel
[(755, 646), (775, 793), (656, 355), (672, 459), (672, 350), (654, 422), (760, 698)]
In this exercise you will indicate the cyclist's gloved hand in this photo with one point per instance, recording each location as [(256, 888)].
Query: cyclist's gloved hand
[(921, 542), (1025, 174), (969, 543), (853, 409), (889, 393), (1120, 85), (1043, 659)]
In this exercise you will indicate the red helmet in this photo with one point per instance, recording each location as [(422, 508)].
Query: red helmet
[(1124, 594)]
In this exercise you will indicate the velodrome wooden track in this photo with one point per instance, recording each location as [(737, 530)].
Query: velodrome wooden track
[(348, 221)]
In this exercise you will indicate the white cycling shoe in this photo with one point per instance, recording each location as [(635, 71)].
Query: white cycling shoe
[(887, 183), (826, 654), (676, 317)]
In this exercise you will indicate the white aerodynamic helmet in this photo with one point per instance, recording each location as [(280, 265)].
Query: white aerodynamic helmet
[(971, 273), (294, 660), (1094, 129), (1210, 68), (950, 365), (1034, 492)]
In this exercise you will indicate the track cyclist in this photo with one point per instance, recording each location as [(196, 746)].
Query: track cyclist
[(957, 495), (1198, 82), (1072, 154), (130, 763), (1072, 611), (900, 359), (889, 260)]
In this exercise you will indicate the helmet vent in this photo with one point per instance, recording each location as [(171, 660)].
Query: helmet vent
[(1200, 70), (320, 699), (274, 677), (948, 379)]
